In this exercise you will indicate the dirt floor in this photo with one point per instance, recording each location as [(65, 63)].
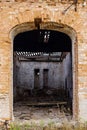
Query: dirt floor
[(23, 112)]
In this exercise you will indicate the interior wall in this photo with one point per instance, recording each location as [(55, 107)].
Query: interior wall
[(24, 74), (59, 75), (67, 74)]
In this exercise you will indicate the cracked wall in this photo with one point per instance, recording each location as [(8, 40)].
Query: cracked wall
[(13, 14)]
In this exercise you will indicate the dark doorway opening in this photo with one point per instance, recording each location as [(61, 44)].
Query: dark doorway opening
[(45, 78), (36, 79), (43, 68)]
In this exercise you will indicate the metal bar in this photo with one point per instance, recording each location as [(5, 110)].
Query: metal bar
[(67, 8), (75, 2), (29, 60)]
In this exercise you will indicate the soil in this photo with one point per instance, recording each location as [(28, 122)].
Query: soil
[(23, 112)]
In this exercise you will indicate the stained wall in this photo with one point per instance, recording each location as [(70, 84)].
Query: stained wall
[(15, 13)]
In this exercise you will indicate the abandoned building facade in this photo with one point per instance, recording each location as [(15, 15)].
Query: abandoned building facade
[(43, 49)]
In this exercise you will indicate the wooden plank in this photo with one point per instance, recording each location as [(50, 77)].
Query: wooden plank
[(45, 103)]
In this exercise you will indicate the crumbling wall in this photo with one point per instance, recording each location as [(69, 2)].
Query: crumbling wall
[(25, 74), (68, 75), (14, 14)]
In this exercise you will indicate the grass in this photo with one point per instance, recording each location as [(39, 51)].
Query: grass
[(42, 126)]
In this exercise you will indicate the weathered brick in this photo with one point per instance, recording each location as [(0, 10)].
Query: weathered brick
[(12, 14)]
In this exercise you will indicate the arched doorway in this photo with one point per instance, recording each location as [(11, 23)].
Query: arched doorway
[(49, 51)]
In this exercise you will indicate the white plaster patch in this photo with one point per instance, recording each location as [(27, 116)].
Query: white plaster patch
[(4, 106)]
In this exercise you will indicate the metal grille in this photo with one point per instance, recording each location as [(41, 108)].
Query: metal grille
[(41, 56)]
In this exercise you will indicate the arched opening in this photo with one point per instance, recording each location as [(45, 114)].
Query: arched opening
[(42, 68), (42, 41)]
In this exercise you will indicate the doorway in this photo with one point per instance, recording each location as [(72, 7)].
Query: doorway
[(45, 78), (54, 52), (36, 78)]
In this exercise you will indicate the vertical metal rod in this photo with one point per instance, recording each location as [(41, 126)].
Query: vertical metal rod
[(75, 2)]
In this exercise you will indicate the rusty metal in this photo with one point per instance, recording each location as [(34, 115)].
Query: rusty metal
[(37, 22), (74, 3)]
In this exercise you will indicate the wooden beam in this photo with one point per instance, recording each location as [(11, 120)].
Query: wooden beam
[(47, 103), (38, 60)]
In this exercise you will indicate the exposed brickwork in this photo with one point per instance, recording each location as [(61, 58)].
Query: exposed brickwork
[(12, 14)]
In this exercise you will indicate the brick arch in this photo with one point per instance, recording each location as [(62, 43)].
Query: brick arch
[(61, 28), (44, 25)]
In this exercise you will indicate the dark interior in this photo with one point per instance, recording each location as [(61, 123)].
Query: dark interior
[(42, 41), (48, 42)]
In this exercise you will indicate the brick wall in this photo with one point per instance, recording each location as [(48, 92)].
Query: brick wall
[(12, 14)]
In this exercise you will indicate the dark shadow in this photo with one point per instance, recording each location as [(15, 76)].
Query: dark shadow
[(42, 40)]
